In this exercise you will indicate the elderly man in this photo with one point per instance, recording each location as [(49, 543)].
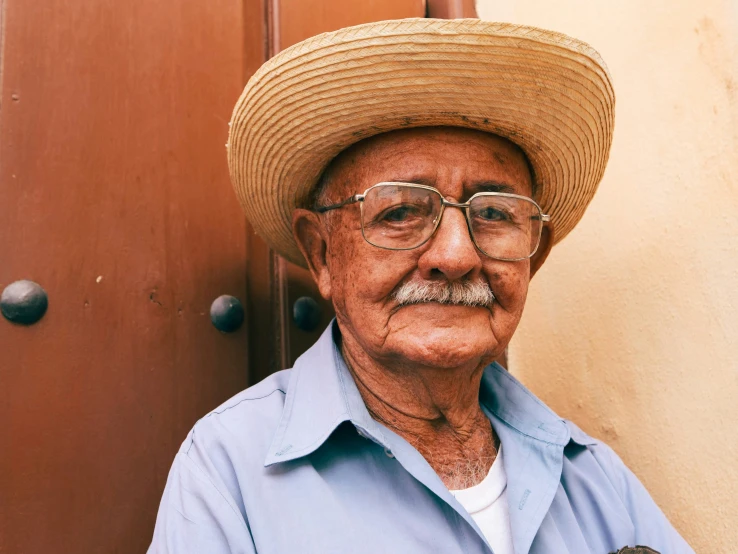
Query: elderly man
[(422, 170)]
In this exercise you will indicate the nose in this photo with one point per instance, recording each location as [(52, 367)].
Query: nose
[(450, 250)]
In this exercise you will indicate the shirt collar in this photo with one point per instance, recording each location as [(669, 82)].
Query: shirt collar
[(322, 394), (510, 401)]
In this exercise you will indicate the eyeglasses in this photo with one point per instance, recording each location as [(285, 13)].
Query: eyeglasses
[(403, 216)]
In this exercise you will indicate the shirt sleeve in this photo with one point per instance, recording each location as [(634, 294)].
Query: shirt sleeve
[(195, 516), (652, 528)]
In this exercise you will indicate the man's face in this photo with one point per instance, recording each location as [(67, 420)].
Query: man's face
[(361, 278)]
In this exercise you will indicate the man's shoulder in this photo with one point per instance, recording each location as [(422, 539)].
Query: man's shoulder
[(246, 421), (601, 459), (594, 473)]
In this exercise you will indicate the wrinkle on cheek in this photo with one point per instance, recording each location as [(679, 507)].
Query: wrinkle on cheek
[(389, 329), (362, 278), (509, 281)]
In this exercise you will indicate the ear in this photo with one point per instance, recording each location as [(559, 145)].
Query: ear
[(544, 248), (312, 238)]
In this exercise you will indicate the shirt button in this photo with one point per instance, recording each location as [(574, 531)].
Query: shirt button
[(389, 453)]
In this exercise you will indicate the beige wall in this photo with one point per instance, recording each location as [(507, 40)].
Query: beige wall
[(631, 327)]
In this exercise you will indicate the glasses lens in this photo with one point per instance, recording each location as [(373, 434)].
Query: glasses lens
[(505, 228), (399, 216)]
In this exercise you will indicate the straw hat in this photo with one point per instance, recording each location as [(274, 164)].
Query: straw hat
[(548, 93)]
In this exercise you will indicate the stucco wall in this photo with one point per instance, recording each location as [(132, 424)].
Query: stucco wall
[(631, 328)]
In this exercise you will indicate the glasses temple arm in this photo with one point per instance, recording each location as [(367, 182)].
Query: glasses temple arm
[(350, 200)]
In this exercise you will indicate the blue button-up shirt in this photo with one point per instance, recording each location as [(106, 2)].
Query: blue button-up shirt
[(297, 464)]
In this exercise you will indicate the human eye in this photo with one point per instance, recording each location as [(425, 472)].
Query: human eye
[(399, 214), (492, 213)]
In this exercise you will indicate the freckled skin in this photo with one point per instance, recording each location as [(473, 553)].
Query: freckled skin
[(418, 367)]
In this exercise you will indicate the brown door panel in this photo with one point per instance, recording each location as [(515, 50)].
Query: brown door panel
[(451, 9), (301, 19), (115, 197)]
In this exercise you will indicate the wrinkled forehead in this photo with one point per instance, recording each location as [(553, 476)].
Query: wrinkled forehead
[(428, 155)]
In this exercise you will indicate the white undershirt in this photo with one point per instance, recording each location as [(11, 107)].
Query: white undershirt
[(486, 502)]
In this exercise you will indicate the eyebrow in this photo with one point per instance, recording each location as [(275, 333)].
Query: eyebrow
[(480, 186), (491, 186)]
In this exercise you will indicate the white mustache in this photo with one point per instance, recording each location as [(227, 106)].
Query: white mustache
[(466, 293)]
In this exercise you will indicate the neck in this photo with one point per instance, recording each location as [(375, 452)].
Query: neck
[(436, 410)]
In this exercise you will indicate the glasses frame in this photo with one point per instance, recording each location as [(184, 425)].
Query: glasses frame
[(465, 206)]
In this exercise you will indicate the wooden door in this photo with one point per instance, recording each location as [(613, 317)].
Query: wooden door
[(115, 197)]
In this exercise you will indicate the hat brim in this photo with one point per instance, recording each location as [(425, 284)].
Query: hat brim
[(548, 93)]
